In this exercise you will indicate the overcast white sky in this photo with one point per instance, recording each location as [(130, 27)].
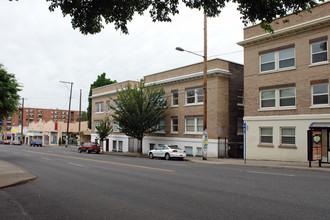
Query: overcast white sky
[(41, 49)]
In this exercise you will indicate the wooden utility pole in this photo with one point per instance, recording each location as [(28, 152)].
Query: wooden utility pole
[(22, 120), (205, 136), (79, 136), (69, 113)]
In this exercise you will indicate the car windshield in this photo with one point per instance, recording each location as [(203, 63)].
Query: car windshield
[(95, 145)]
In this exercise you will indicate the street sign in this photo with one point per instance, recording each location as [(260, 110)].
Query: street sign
[(1, 122)]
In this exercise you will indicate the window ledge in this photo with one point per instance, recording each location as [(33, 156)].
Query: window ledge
[(98, 113), (277, 109), (278, 70), (287, 146), (319, 63), (266, 145), (194, 104), (174, 132), (174, 106), (319, 106), (200, 133)]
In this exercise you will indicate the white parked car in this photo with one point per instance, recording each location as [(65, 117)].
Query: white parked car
[(167, 151)]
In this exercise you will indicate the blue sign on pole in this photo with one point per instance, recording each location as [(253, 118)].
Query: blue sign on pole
[(1, 122)]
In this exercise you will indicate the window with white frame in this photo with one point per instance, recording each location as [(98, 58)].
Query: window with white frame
[(189, 150), (194, 96), (108, 106), (97, 123), (278, 98), (288, 136), (174, 125), (319, 52), (266, 135), (114, 145), (277, 60), (199, 152), (99, 107), (175, 98), (320, 94), (116, 127), (120, 146), (194, 125)]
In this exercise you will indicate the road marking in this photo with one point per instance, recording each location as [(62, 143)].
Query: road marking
[(75, 164), (277, 174), (45, 158), (175, 164), (102, 161)]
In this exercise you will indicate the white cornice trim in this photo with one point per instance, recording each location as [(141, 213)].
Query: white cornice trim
[(190, 77), (287, 117), (104, 94), (306, 26)]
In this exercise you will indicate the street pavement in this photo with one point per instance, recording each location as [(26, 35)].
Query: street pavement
[(11, 175)]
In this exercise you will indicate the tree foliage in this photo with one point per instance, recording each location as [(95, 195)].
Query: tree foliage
[(83, 117), (139, 110), (9, 88), (104, 128), (101, 81), (89, 16)]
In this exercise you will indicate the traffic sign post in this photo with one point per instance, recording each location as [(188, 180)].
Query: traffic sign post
[(244, 128), (1, 122)]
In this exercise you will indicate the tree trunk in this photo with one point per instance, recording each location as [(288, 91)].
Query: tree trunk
[(140, 150)]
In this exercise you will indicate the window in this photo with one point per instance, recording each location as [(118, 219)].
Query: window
[(120, 146), (161, 126), (319, 52), (99, 107), (114, 145), (199, 152), (266, 135), (97, 123), (189, 151), (287, 97), (174, 125), (320, 94), (278, 98), (116, 126), (108, 106), (277, 60), (194, 96), (175, 98), (194, 125), (268, 99), (288, 136), (240, 126)]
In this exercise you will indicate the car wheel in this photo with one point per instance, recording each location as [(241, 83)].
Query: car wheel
[(167, 156), (87, 151), (79, 150), (151, 156)]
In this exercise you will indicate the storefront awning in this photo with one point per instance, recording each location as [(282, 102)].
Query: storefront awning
[(320, 125)]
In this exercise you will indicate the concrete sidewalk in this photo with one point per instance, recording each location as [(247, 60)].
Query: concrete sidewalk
[(11, 175)]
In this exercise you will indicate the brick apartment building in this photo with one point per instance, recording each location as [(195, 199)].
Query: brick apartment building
[(13, 124), (286, 86), (183, 124)]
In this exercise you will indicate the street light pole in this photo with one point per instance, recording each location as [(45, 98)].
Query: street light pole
[(205, 136)]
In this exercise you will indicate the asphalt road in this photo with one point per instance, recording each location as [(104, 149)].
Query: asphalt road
[(97, 186)]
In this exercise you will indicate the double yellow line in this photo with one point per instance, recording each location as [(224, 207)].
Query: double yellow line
[(101, 161)]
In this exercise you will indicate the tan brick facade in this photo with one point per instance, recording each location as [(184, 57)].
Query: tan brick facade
[(222, 76), (300, 33)]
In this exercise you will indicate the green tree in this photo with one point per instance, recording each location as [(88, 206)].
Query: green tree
[(139, 110), (83, 117), (104, 129), (89, 16), (9, 88), (101, 81)]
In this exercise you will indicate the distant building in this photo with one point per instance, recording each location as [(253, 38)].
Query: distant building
[(12, 126), (286, 86), (183, 125)]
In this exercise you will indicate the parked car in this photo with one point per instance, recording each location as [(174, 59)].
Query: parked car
[(6, 142), (167, 151), (16, 142), (36, 143), (90, 147)]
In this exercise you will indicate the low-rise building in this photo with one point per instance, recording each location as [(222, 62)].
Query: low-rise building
[(183, 125), (286, 86)]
